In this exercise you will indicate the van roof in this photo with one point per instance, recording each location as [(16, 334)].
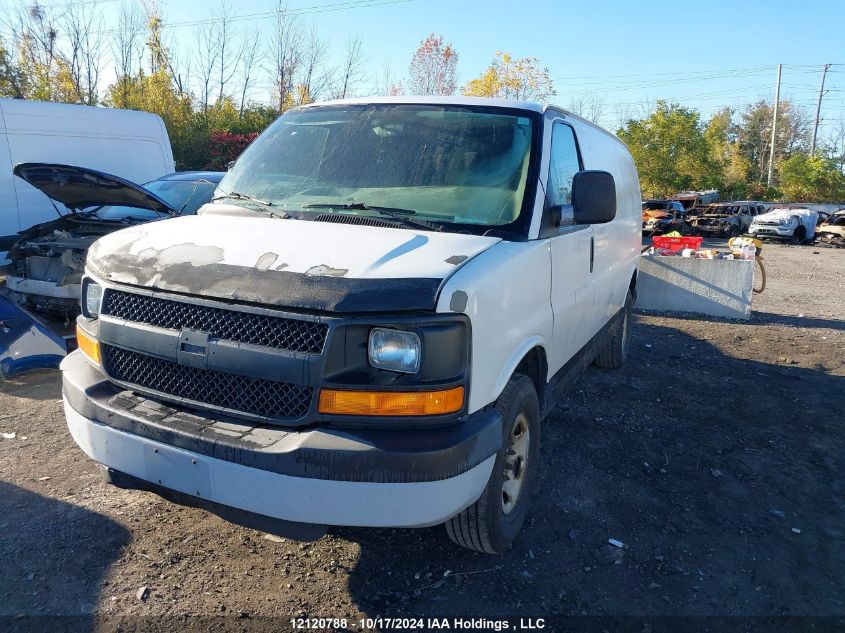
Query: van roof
[(24, 115), (445, 100), (488, 102)]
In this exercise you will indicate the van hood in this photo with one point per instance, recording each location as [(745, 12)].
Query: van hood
[(288, 263), (80, 188)]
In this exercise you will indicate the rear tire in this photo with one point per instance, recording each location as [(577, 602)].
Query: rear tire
[(614, 352), (492, 523), (798, 236)]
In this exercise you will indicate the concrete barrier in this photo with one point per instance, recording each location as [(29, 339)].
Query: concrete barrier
[(715, 287)]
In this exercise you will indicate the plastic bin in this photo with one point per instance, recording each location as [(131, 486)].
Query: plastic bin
[(675, 244)]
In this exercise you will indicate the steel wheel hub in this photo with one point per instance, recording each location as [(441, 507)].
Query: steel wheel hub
[(516, 462)]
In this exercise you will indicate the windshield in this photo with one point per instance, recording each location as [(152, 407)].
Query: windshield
[(444, 164), (190, 194)]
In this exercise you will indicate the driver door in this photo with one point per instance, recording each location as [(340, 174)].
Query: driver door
[(572, 246)]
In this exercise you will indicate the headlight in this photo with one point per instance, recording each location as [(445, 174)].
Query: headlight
[(92, 298), (395, 350)]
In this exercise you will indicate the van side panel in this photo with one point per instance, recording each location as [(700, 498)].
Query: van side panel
[(617, 243), (505, 292)]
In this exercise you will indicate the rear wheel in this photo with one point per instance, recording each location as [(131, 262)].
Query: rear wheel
[(798, 236), (492, 523), (614, 352)]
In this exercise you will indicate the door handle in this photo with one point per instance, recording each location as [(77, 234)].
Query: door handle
[(592, 252)]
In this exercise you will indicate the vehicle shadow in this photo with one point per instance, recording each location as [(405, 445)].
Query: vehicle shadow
[(699, 462), (757, 318), (40, 384), (54, 559)]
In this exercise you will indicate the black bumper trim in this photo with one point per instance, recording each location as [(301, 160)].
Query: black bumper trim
[(359, 455), (279, 527)]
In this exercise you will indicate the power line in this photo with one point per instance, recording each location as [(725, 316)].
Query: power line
[(319, 8)]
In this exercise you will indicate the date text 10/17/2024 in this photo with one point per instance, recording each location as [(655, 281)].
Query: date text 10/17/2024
[(419, 624)]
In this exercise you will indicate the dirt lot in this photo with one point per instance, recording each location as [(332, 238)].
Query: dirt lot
[(717, 456)]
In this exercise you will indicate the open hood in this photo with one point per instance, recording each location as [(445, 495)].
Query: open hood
[(289, 263), (80, 188)]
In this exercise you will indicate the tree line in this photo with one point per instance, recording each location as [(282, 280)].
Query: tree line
[(225, 83)]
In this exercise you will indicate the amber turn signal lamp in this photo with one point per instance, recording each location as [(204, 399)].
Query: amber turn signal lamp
[(391, 403), (88, 344)]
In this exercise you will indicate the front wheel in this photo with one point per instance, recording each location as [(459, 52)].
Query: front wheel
[(492, 523)]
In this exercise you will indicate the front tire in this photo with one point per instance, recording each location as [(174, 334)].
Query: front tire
[(492, 523)]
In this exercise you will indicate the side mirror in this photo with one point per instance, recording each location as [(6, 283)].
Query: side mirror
[(593, 197), (229, 165)]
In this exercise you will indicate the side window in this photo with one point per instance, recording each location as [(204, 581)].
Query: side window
[(563, 165)]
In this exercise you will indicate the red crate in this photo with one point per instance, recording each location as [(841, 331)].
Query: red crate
[(676, 244)]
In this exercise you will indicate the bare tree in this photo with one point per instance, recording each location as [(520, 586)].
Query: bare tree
[(589, 106), (314, 79), (285, 54), (205, 58), (126, 47), (34, 39), (250, 57), (228, 55), (387, 83), (352, 68), (85, 49), (836, 144)]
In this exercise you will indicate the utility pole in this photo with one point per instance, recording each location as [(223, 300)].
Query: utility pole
[(819, 110), (774, 132)]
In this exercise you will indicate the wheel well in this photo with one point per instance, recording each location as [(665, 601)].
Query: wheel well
[(535, 366), (633, 286)]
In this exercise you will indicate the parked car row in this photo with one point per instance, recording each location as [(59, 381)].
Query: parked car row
[(795, 224)]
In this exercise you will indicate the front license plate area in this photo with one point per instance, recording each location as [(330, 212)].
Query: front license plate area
[(177, 471)]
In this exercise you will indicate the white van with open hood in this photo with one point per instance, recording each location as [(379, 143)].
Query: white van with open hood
[(129, 144), (368, 324), (48, 259)]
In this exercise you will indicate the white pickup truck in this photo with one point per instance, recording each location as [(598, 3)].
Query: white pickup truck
[(368, 324)]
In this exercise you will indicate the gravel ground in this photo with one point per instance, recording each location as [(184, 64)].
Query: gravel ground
[(715, 456)]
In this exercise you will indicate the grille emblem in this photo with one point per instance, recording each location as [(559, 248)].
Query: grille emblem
[(193, 348)]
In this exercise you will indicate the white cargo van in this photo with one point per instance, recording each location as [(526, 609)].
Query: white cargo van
[(369, 323), (130, 144)]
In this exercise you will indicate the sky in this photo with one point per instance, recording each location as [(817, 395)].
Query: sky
[(627, 54)]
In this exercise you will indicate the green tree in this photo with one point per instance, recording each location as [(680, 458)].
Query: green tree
[(670, 150), (510, 78), (811, 179), (731, 166), (754, 135)]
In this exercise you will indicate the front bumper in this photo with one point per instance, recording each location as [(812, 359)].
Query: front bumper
[(771, 231), (368, 477)]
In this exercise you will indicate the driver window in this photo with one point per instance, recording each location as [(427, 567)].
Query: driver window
[(563, 165)]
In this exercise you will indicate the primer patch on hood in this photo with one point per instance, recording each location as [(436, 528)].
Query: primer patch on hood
[(285, 262)]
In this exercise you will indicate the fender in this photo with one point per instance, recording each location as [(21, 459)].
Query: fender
[(513, 362)]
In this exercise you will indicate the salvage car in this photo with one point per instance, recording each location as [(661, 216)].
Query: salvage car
[(48, 260), (370, 322), (793, 224), (725, 219), (831, 232), (663, 216)]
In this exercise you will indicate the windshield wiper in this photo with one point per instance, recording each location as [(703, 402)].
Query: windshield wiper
[(394, 213), (263, 205)]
